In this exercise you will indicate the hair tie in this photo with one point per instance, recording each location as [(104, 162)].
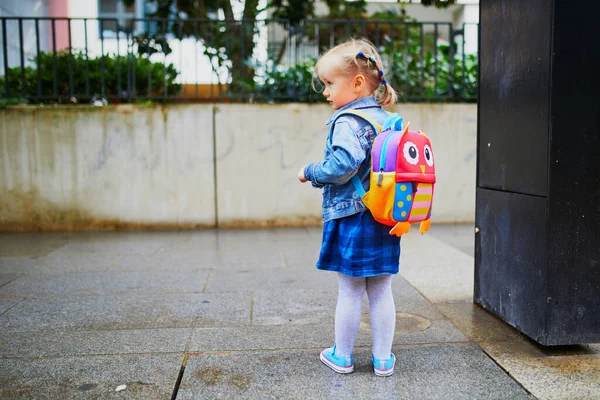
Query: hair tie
[(372, 59)]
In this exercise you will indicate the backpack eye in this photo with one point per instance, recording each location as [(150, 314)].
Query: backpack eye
[(411, 154), (428, 155)]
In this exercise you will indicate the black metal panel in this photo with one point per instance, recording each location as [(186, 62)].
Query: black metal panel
[(574, 214), (514, 95), (510, 258)]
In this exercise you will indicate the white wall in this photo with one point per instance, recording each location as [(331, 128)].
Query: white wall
[(114, 167), (261, 148), (127, 166), (21, 8), (468, 16)]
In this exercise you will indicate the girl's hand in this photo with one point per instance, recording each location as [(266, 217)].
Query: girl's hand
[(301, 177)]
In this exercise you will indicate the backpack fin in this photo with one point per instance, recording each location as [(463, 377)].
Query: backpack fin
[(405, 129)]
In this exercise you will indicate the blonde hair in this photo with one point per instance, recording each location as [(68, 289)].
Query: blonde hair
[(359, 56)]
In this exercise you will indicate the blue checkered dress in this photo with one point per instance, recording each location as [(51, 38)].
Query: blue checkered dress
[(359, 246)]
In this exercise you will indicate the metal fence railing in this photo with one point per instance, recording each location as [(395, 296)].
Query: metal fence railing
[(97, 59)]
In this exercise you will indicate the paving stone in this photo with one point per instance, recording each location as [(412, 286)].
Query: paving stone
[(164, 261), (205, 259), (409, 300), (272, 258), (8, 302), (127, 312), (6, 278), (113, 283), (267, 279), (104, 303), (146, 377), (449, 371), (249, 240), (477, 324), (305, 257), (294, 306), (245, 241), (13, 265), (561, 373), (304, 253), (60, 343), (120, 244), (317, 336), (438, 271), (58, 263), (31, 244), (316, 303), (459, 236), (413, 329)]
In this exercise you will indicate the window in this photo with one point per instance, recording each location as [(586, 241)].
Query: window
[(124, 15)]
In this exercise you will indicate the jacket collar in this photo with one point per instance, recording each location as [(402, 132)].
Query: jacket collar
[(363, 102)]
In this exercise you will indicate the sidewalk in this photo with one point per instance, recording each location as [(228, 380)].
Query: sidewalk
[(244, 313)]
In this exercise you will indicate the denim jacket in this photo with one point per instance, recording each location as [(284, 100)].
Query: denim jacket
[(347, 153)]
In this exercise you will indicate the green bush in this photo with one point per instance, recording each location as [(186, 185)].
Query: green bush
[(417, 65), (89, 70), (4, 102), (278, 84), (414, 76)]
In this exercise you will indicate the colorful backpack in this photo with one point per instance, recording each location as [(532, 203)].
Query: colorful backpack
[(402, 175)]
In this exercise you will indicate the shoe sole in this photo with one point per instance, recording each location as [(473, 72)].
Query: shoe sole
[(385, 372), (336, 368)]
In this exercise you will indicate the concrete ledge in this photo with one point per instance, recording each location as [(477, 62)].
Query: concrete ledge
[(118, 167), (195, 165)]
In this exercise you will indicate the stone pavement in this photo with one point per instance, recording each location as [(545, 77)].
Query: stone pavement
[(243, 314)]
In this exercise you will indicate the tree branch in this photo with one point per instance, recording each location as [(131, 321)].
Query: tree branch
[(250, 9), (226, 5)]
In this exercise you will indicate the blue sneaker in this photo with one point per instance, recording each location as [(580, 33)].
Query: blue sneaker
[(341, 365), (384, 367)]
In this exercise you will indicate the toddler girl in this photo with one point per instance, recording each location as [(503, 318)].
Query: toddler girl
[(355, 246)]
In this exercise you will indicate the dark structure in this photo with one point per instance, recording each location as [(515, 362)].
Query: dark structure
[(537, 250)]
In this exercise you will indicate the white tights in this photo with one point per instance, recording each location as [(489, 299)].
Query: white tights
[(349, 309)]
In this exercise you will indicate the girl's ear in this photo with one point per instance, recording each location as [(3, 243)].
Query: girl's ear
[(359, 82)]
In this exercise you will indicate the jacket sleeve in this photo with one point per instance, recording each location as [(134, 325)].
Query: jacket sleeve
[(343, 163)]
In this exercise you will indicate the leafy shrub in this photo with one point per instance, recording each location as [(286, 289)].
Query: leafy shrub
[(10, 102), (279, 84), (86, 77), (414, 76)]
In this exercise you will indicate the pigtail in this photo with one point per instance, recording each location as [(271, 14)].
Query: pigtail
[(388, 96)]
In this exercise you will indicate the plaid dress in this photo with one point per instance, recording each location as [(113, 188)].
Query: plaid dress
[(359, 246)]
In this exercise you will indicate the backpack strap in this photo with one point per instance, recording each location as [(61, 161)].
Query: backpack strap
[(393, 121), (359, 114), (378, 128)]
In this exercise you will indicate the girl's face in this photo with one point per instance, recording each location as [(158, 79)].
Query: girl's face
[(339, 90)]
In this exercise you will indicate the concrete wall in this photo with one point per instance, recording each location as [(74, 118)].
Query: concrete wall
[(114, 167), (126, 166)]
